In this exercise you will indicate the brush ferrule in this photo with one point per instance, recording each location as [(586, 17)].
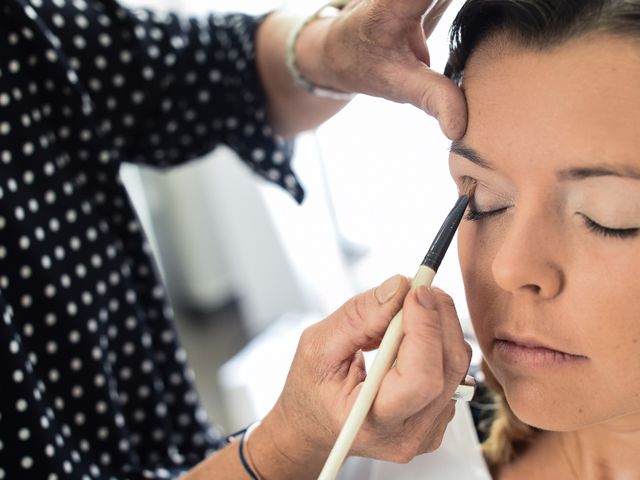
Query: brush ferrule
[(443, 239)]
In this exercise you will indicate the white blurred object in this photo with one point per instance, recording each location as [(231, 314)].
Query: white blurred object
[(252, 380)]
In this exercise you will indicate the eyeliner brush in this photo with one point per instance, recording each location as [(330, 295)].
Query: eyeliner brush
[(388, 350)]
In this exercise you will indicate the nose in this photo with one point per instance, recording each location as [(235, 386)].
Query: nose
[(529, 260)]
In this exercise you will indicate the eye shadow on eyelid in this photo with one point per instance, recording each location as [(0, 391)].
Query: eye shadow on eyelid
[(486, 187)]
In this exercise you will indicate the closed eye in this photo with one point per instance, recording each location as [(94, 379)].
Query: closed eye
[(609, 232), (476, 215)]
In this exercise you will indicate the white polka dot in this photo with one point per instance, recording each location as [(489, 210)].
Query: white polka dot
[(45, 261), (52, 347), (21, 405), (104, 39), (19, 213), (51, 55), (50, 319), (82, 21), (26, 301), (58, 20), (24, 243), (27, 148), (79, 42)]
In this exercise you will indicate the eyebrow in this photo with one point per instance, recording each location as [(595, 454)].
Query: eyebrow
[(470, 154), (581, 173), (577, 173)]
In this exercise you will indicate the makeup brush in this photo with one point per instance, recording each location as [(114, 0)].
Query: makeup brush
[(388, 350)]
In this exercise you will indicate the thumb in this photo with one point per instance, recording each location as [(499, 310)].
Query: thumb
[(436, 95), (360, 323)]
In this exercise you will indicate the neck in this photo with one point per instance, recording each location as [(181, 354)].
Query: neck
[(605, 451)]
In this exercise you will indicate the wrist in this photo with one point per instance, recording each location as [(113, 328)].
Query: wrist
[(307, 55), (310, 53), (278, 452)]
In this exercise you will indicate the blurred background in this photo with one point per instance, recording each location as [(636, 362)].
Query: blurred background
[(247, 268)]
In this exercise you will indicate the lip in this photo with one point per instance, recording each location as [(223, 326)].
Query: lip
[(532, 353)]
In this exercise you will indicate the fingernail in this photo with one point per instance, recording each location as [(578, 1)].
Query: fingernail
[(424, 297), (388, 289)]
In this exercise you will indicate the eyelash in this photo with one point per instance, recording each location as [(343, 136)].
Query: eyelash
[(622, 233), (476, 215), (610, 232)]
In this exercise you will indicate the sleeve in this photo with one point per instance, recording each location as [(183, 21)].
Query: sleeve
[(168, 89)]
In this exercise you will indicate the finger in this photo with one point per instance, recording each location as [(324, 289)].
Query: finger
[(457, 352), (435, 430), (418, 376), (361, 322), (432, 92), (439, 97), (433, 16)]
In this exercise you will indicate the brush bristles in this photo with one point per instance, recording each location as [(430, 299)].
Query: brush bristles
[(468, 187)]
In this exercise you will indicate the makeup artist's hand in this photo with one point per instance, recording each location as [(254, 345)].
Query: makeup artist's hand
[(378, 47), (413, 406)]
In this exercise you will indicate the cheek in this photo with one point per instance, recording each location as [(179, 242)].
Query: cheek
[(475, 253)]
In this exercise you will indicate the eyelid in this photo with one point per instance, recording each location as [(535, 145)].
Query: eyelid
[(626, 232), (480, 185)]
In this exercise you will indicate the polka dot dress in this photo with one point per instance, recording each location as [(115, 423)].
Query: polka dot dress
[(93, 381)]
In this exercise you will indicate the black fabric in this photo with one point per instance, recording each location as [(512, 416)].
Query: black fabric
[(93, 381)]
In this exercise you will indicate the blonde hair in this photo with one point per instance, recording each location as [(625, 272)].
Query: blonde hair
[(508, 436)]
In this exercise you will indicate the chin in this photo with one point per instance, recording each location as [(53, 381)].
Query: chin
[(545, 408)]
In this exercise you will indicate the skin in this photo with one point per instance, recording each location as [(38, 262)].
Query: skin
[(373, 47), (535, 272)]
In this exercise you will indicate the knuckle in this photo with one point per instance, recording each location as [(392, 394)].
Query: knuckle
[(307, 345), (459, 360), (436, 442), (460, 364), (354, 313), (429, 387), (451, 411), (405, 453), (307, 337), (443, 298)]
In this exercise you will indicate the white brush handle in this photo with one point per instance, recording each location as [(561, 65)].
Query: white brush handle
[(381, 364)]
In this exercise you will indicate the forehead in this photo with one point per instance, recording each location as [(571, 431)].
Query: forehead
[(572, 103)]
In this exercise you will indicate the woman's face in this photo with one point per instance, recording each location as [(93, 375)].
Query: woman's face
[(551, 251)]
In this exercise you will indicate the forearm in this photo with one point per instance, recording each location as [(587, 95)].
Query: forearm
[(291, 108), (270, 450), (222, 465)]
